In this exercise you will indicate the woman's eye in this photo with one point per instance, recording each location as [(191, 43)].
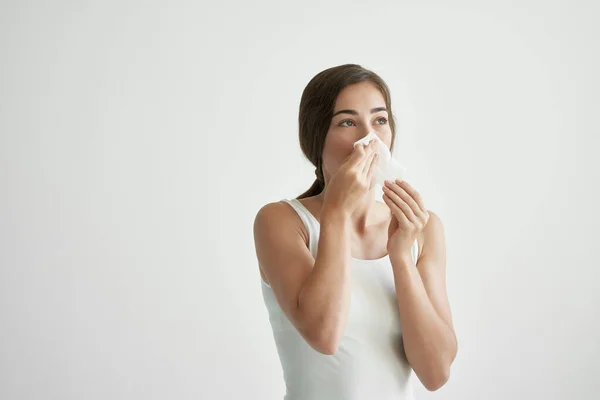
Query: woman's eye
[(381, 121)]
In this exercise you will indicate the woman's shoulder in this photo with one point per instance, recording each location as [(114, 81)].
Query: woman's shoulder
[(273, 211), (430, 231), (276, 218)]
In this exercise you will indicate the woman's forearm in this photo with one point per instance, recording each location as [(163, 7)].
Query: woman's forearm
[(429, 342), (324, 299)]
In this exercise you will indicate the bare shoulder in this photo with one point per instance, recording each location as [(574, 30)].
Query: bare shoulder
[(432, 235), (277, 218), (277, 232), (434, 225)]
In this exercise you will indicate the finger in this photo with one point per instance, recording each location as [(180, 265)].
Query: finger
[(368, 150), (357, 155), (400, 203), (367, 163), (402, 193), (413, 194), (396, 211), (371, 171), (370, 167)]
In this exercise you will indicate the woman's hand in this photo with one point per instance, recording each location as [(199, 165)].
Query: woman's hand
[(352, 180), (409, 217)]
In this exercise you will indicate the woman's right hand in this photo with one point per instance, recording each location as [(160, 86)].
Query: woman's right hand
[(352, 181)]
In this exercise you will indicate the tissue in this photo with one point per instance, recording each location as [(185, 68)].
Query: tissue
[(387, 167)]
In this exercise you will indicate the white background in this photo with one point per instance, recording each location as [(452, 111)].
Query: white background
[(138, 141)]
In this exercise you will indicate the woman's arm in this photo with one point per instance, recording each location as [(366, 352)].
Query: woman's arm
[(427, 330), (313, 293)]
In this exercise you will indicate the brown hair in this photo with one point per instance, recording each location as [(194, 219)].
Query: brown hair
[(316, 111)]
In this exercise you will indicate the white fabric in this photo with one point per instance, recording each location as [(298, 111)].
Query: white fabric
[(370, 361), (387, 167)]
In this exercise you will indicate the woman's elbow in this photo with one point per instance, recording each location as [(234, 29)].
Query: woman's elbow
[(435, 379), (327, 349), (324, 344)]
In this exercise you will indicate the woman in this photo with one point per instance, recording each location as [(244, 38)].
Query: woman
[(355, 318)]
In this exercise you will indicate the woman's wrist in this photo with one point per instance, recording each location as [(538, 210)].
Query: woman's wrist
[(334, 215), (401, 259)]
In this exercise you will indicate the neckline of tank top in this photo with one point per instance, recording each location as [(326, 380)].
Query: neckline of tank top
[(316, 221)]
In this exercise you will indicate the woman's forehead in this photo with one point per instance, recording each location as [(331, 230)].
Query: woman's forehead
[(364, 95)]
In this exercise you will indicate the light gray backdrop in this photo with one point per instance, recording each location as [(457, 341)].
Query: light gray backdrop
[(138, 140)]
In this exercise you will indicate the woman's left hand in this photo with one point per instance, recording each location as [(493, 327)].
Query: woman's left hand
[(409, 217)]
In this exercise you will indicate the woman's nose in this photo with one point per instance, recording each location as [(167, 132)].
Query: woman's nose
[(367, 127), (364, 131)]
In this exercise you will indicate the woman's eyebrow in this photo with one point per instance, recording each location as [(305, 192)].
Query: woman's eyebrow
[(354, 112)]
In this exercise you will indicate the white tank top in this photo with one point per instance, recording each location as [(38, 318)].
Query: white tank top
[(370, 362)]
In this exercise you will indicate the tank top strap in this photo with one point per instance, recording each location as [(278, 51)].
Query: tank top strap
[(313, 228), (310, 223)]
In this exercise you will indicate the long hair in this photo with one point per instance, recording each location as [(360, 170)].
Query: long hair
[(316, 111)]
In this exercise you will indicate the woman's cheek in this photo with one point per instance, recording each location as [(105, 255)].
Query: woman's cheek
[(339, 146), (386, 137)]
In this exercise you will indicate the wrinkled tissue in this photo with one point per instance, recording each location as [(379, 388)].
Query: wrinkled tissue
[(387, 167)]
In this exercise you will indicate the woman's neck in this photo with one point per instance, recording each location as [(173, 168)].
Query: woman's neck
[(367, 214)]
